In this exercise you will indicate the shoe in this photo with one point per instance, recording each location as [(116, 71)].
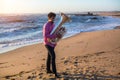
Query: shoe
[(57, 76), (49, 71)]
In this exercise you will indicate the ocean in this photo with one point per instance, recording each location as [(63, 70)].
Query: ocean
[(26, 29)]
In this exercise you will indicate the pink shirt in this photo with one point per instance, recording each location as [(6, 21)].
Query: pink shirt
[(47, 28)]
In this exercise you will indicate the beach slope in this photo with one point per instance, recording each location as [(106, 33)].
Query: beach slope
[(88, 55)]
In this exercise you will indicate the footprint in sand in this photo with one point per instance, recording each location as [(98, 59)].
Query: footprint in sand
[(99, 53), (3, 63)]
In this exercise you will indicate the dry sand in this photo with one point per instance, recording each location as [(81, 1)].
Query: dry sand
[(85, 56)]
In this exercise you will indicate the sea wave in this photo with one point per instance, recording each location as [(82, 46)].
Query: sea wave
[(29, 30), (20, 37)]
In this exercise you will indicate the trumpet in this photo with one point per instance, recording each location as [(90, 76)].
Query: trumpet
[(58, 29)]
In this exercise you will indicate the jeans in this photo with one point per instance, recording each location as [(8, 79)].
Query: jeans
[(51, 59)]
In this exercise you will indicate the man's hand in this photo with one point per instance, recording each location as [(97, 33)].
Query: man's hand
[(59, 35)]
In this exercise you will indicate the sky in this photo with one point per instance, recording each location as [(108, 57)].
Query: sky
[(45, 6)]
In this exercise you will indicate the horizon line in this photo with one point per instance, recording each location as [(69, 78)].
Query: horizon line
[(58, 12)]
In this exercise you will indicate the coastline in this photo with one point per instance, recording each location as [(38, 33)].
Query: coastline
[(11, 44), (87, 51), (87, 55), (8, 49), (113, 14)]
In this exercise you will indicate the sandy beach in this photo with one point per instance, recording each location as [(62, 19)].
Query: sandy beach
[(85, 56), (89, 45)]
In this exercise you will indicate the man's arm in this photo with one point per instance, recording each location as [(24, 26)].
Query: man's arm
[(46, 32)]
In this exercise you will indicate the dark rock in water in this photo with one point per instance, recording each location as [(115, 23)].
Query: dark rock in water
[(86, 14), (94, 18), (90, 13), (117, 27)]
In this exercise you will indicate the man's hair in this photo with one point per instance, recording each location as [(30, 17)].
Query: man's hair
[(51, 14)]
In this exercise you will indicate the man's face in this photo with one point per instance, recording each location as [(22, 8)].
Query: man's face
[(52, 18)]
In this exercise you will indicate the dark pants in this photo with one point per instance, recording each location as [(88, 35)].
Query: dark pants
[(51, 59)]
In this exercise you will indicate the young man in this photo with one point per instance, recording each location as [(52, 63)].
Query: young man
[(47, 28)]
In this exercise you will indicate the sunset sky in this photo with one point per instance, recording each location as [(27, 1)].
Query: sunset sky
[(45, 6)]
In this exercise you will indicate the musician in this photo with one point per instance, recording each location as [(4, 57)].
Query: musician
[(47, 28)]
